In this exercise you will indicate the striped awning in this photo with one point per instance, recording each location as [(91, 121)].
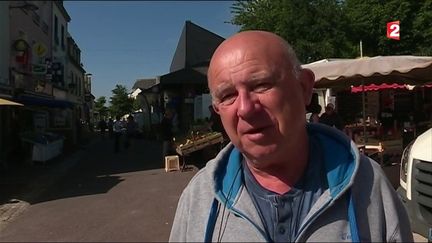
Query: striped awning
[(8, 102)]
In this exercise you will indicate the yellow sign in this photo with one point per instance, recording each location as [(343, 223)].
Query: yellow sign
[(39, 49)]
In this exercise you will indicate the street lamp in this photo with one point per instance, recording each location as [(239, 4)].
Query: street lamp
[(26, 6)]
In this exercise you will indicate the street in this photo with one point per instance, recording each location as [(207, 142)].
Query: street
[(105, 197)]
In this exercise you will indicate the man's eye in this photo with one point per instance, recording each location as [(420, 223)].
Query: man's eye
[(228, 99), (262, 87)]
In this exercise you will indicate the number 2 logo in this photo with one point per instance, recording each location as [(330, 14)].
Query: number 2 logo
[(393, 29)]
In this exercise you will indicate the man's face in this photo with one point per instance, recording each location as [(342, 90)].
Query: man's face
[(260, 101)]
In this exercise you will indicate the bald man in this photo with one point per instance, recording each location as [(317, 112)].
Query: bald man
[(281, 179)]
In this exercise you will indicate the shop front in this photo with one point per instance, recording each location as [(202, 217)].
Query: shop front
[(385, 101), (44, 125)]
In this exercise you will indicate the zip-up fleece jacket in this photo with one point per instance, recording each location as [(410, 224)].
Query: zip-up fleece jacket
[(359, 205)]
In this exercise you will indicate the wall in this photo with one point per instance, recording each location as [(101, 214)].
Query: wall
[(59, 52), (34, 28), (4, 43)]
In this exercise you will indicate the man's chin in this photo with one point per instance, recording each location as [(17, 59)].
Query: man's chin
[(259, 152)]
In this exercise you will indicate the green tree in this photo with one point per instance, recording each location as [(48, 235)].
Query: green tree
[(320, 29), (136, 105), (315, 28), (121, 103), (369, 20), (100, 106)]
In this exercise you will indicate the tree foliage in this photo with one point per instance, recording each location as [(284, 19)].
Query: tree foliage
[(121, 104), (100, 106), (320, 29)]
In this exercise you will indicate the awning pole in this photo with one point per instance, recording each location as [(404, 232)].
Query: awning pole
[(363, 100)]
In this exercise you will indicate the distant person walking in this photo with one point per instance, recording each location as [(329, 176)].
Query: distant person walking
[(315, 116), (110, 127), (131, 128), (117, 129), (102, 125), (167, 133), (331, 118)]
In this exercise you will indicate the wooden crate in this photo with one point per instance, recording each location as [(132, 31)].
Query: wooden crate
[(200, 144), (172, 163)]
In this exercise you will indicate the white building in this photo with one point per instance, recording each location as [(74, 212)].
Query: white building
[(60, 20)]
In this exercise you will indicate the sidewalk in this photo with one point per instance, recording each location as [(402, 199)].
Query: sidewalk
[(23, 183), (98, 195)]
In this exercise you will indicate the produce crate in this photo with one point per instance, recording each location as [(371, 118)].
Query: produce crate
[(172, 163), (199, 143)]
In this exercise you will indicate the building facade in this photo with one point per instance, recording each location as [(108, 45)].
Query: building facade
[(34, 56)]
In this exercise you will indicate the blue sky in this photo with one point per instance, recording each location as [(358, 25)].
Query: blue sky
[(122, 41)]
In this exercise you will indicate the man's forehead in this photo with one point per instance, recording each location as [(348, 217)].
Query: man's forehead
[(226, 83)]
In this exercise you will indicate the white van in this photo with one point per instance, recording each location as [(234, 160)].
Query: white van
[(415, 187)]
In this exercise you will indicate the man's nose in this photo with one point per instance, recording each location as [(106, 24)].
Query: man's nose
[(247, 104)]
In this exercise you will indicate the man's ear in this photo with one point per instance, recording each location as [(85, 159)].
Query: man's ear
[(215, 108), (307, 81)]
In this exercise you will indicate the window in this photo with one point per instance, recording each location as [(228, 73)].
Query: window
[(56, 40), (62, 37), (79, 87), (71, 81)]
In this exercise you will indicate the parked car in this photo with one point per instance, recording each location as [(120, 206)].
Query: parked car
[(415, 187)]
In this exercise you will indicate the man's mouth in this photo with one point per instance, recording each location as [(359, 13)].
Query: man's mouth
[(256, 130)]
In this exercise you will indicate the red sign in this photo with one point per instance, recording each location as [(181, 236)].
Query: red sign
[(393, 29)]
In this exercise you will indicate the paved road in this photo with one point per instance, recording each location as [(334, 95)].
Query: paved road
[(105, 197), (102, 196)]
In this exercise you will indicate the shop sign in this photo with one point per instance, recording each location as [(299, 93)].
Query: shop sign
[(60, 119), (40, 121), (39, 68), (39, 49), (20, 45)]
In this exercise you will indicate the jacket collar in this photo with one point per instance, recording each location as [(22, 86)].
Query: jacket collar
[(341, 161)]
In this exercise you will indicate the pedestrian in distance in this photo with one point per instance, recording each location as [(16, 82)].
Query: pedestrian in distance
[(110, 128), (102, 125), (315, 116), (117, 130), (166, 132), (331, 118), (131, 129), (281, 179)]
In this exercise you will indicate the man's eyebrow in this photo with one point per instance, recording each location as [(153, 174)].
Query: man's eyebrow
[(222, 87)]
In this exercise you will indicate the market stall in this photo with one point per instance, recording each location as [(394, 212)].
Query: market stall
[(44, 146), (197, 142), (381, 72)]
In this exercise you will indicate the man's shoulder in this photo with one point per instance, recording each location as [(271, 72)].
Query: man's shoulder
[(200, 185), (370, 173)]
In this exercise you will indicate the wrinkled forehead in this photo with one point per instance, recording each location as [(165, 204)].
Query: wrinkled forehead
[(230, 58)]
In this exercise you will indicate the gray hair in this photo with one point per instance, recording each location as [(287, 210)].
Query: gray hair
[(292, 57)]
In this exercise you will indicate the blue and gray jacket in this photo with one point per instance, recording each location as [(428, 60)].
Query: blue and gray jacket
[(360, 204)]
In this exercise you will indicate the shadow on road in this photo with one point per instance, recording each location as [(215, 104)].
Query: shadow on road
[(92, 170), (99, 169)]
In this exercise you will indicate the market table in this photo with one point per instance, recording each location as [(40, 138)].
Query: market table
[(198, 143)]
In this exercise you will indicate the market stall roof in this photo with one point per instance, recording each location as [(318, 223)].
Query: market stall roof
[(9, 102), (41, 101), (195, 47), (331, 73), (145, 84), (184, 76)]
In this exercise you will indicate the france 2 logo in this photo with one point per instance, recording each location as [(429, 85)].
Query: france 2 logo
[(393, 30)]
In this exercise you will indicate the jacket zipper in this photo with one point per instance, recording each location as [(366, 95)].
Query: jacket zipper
[(241, 215), (312, 219)]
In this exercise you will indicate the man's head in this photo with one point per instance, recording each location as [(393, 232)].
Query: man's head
[(260, 91), (329, 108)]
